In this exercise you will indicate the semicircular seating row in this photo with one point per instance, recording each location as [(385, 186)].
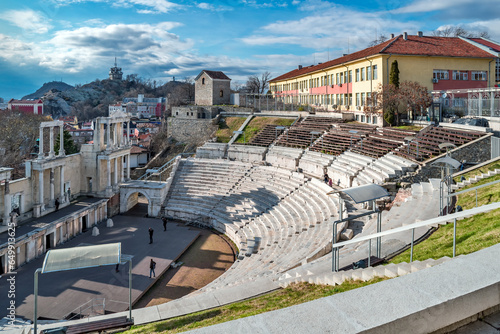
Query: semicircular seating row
[(277, 218)]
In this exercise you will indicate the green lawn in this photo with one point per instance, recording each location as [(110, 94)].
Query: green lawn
[(478, 171), (226, 128), (292, 295), (258, 123), (473, 234)]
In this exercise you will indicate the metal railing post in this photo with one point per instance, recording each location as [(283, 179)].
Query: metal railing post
[(35, 316), (412, 241), (454, 236), (130, 289), (369, 252)]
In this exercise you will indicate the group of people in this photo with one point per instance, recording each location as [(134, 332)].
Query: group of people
[(152, 263), (328, 180)]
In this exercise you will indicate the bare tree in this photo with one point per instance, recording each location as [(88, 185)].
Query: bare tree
[(258, 85), (456, 31), (378, 40)]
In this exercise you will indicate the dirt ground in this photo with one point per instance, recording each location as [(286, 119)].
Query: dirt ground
[(205, 260)]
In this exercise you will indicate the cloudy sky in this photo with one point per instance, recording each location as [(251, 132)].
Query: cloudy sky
[(76, 40)]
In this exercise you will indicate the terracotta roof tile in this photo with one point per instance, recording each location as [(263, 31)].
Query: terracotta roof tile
[(414, 45), (217, 75), (492, 45)]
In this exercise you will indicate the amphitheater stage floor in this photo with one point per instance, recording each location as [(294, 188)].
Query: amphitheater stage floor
[(61, 293)]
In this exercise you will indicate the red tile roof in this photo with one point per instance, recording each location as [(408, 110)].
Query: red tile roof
[(137, 150), (492, 45), (25, 101), (413, 45)]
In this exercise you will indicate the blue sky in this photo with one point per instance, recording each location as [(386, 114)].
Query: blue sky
[(76, 40)]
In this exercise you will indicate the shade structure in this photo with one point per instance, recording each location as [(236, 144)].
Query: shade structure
[(446, 161), (81, 257), (365, 193)]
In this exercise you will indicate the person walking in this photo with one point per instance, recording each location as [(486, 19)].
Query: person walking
[(151, 231), (164, 219), (57, 203), (152, 266)]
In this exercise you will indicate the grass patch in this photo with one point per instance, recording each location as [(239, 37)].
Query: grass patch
[(478, 171), (227, 127), (409, 127), (292, 295), (258, 123), (473, 234)]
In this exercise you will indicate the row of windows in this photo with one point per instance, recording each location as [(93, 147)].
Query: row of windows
[(362, 74), (366, 119), (460, 75), (497, 70)]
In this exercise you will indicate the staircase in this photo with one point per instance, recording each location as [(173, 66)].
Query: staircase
[(362, 274), (475, 179)]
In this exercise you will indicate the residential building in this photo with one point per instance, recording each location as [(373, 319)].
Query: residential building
[(27, 106), (140, 106), (346, 84)]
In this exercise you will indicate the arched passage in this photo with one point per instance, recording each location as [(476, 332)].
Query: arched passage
[(137, 203), (142, 192)]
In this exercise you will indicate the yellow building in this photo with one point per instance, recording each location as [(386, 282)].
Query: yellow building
[(346, 83)]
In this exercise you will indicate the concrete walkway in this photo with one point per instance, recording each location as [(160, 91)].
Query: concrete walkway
[(60, 293)]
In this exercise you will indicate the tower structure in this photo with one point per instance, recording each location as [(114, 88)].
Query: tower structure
[(115, 73)]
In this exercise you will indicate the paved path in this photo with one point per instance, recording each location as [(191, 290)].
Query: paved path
[(35, 223), (60, 293)]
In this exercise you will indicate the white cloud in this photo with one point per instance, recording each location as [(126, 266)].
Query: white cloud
[(337, 28), (28, 20), (151, 6), (204, 5), (420, 6)]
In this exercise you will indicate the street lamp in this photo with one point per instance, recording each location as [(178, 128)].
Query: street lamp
[(315, 133)]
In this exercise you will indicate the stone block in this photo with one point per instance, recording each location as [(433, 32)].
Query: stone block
[(347, 234)]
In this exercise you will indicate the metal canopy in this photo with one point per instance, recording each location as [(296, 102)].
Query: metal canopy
[(81, 257), (446, 161), (446, 146), (365, 193)]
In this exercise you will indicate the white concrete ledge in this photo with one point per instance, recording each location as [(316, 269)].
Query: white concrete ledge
[(422, 302)]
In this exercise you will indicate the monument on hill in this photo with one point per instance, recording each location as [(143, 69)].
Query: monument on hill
[(115, 73)]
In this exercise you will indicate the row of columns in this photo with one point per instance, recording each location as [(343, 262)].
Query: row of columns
[(117, 129), (41, 154), (62, 197), (122, 172)]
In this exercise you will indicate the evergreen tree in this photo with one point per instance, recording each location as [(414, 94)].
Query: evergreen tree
[(394, 74), (69, 144)]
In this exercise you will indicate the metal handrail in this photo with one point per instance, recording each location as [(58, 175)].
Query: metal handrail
[(163, 168), (93, 304)]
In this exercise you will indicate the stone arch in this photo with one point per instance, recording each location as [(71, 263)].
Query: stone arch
[(126, 203)]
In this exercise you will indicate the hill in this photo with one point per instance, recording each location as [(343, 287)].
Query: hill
[(92, 99), (48, 86)]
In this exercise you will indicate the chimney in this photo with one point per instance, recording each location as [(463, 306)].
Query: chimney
[(392, 35), (405, 36), (420, 34), (300, 67)]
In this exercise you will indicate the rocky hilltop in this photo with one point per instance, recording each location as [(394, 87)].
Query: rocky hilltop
[(55, 86), (92, 99)]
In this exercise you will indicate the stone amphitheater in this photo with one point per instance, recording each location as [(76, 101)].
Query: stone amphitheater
[(270, 199)]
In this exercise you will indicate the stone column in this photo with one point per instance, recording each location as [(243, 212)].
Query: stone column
[(51, 152), (52, 186), (120, 133), (128, 133), (108, 172), (122, 172), (115, 138), (61, 187), (7, 204), (40, 142), (40, 189), (116, 171), (108, 129), (128, 166), (61, 140)]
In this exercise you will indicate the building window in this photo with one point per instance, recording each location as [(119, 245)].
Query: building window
[(202, 81), (375, 73), (441, 74), (357, 100), (478, 75), (362, 74), (357, 118), (362, 118), (350, 76), (497, 70), (221, 93), (362, 99), (460, 75), (357, 74), (350, 99), (338, 78), (368, 73), (374, 120)]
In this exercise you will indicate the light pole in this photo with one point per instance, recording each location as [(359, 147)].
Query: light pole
[(316, 133), (276, 129)]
